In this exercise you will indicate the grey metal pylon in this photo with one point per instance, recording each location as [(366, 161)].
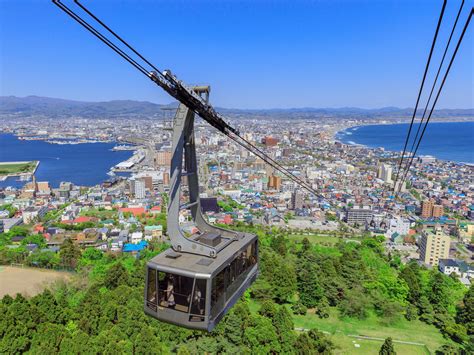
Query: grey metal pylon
[(184, 145)]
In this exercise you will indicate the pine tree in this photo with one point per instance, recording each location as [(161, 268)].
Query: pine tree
[(284, 326), (69, 253), (309, 288), (116, 276), (387, 347), (465, 314)]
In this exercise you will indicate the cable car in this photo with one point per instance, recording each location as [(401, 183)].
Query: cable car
[(195, 282), (195, 291)]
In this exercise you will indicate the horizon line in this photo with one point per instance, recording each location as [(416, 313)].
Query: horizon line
[(234, 108)]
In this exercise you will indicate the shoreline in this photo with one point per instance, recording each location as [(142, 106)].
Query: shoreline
[(18, 179), (385, 123), (335, 137), (116, 148)]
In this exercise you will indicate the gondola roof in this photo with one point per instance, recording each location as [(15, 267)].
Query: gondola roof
[(198, 264)]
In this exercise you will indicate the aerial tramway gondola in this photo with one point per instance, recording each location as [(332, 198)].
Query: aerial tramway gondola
[(194, 283)]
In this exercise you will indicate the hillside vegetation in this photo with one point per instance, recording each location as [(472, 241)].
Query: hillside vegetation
[(308, 299)]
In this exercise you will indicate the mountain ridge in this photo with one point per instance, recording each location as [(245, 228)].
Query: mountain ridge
[(62, 108)]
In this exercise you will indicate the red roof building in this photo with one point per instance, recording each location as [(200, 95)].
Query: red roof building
[(155, 209), (84, 219), (39, 228), (136, 211)]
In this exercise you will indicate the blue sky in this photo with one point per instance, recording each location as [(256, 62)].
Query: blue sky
[(255, 54)]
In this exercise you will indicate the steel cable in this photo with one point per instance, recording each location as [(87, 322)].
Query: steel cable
[(419, 93), (439, 92)]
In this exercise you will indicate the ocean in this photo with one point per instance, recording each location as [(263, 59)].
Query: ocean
[(452, 141), (83, 164)]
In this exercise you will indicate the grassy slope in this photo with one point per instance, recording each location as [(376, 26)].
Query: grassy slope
[(340, 329), (347, 345), (414, 331), (318, 239)]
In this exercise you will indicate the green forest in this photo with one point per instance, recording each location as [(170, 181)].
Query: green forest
[(301, 285)]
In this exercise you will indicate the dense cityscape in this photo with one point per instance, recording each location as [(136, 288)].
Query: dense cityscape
[(355, 184), (429, 223)]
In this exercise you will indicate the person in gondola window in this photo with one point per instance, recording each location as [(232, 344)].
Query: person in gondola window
[(170, 292), (197, 300)]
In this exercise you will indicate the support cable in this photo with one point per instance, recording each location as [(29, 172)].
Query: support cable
[(436, 78), (419, 92), (100, 36), (439, 92), (181, 93), (117, 36)]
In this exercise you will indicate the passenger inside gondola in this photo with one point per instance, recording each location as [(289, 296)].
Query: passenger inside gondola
[(198, 304), (174, 291), (170, 292)]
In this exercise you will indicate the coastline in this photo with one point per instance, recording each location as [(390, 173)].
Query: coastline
[(385, 123), (343, 131), (52, 169)]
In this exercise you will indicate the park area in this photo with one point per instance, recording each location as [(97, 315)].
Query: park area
[(21, 167), (27, 281), (367, 336), (354, 336)]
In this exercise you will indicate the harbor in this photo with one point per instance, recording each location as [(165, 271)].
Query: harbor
[(82, 164), (128, 165)]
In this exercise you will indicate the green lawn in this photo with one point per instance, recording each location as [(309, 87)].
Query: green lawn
[(16, 168), (319, 238), (342, 332), (349, 345), (414, 331)]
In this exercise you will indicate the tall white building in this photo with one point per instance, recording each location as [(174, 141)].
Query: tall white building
[(434, 245), (400, 186), (137, 187), (297, 200), (385, 173)]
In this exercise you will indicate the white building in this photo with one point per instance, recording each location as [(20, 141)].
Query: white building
[(233, 194), (385, 173), (398, 225), (359, 215), (460, 268), (137, 187), (136, 237), (32, 213)]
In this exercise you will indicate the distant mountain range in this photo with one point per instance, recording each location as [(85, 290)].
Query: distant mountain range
[(36, 105), (60, 108)]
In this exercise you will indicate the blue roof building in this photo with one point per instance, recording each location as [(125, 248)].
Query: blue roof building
[(131, 248)]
